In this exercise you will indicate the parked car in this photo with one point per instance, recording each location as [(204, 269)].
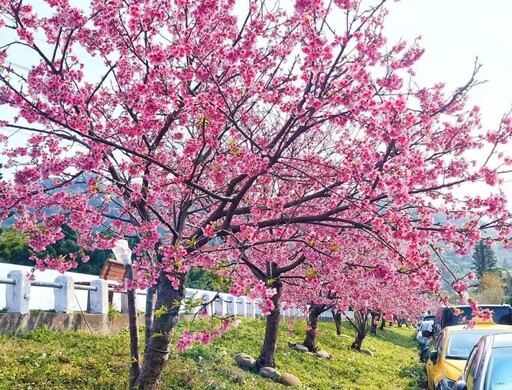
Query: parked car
[(428, 317), (424, 338), (489, 366), (445, 316), (449, 352)]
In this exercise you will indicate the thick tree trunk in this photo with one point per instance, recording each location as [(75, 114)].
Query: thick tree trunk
[(268, 350), (314, 313), (361, 325), (358, 341), (157, 347)]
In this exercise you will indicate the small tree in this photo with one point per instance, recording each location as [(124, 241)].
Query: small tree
[(491, 289), (484, 258)]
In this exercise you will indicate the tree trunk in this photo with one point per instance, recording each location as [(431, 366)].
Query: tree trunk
[(336, 315), (383, 322), (150, 304), (156, 352), (361, 325), (268, 350), (358, 341), (314, 313), (374, 322), (134, 330)]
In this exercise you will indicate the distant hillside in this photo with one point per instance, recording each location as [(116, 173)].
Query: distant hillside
[(461, 265)]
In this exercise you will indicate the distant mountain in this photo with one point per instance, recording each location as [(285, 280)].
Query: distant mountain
[(77, 187), (461, 265)]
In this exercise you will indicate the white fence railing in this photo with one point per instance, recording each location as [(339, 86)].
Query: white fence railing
[(68, 292)]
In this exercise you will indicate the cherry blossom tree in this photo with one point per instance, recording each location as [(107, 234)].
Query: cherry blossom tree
[(204, 128), (371, 279), (383, 296)]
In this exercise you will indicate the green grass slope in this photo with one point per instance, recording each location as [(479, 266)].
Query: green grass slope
[(65, 360)]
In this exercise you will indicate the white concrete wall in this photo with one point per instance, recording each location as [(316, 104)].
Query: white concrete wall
[(43, 298)]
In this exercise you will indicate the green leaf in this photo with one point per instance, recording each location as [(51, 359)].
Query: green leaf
[(160, 312)]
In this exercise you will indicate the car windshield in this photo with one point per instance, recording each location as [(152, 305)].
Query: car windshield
[(500, 367), (461, 343)]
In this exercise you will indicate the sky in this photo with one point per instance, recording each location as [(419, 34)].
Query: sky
[(454, 33)]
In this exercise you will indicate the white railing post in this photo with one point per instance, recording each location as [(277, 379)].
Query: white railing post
[(98, 300), (64, 296), (231, 305), (257, 309), (250, 310), (241, 306), (220, 305), (18, 294), (209, 308)]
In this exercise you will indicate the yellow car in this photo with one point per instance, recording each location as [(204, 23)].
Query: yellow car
[(451, 349)]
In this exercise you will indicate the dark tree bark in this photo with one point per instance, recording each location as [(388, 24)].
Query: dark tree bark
[(268, 350), (360, 323), (314, 313), (157, 346), (374, 322), (336, 315), (383, 321), (358, 342)]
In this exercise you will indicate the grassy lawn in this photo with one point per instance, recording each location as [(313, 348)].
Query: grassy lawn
[(64, 360)]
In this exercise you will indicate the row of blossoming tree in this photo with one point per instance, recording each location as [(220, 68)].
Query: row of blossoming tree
[(289, 146)]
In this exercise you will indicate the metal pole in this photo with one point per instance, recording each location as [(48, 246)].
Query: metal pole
[(7, 281)]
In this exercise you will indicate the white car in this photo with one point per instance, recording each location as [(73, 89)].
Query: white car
[(424, 326)]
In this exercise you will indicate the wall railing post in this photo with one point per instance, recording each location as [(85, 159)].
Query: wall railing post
[(98, 300), (64, 296), (18, 294)]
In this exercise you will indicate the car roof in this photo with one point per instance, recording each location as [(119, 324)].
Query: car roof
[(464, 327), (482, 305), (502, 340)]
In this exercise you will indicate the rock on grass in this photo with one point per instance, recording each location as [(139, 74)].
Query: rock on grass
[(271, 373), (290, 380), (245, 361)]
